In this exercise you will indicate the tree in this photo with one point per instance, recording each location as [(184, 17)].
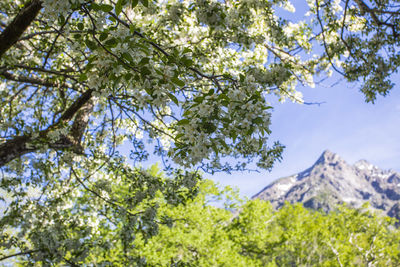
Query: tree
[(204, 235), (196, 233), (183, 73), (367, 34), (94, 73), (83, 80)]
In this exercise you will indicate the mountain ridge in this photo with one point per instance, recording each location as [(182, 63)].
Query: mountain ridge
[(331, 181)]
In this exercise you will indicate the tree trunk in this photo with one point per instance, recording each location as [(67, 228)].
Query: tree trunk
[(18, 25)]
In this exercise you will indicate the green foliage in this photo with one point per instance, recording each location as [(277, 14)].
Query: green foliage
[(204, 235), (64, 224), (141, 221)]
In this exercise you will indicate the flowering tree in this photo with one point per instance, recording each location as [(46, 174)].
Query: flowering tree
[(191, 75), (83, 80), (367, 34)]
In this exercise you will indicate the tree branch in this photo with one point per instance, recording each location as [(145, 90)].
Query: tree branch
[(18, 25), (19, 254), (82, 100), (21, 145), (24, 79), (364, 8), (81, 121), (14, 148)]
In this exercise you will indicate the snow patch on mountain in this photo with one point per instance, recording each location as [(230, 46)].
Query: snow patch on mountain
[(331, 181)]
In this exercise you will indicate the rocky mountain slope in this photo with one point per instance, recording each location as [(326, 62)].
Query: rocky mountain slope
[(332, 181)]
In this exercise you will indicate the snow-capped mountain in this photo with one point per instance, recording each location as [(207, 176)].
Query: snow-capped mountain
[(331, 181)]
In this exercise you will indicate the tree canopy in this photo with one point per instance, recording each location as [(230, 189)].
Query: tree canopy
[(199, 234), (86, 85), (193, 76), (259, 236)]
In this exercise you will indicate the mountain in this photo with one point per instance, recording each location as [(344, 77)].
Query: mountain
[(331, 181)]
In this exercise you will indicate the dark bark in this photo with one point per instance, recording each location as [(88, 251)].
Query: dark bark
[(18, 25), (78, 104), (14, 148), (81, 121), (19, 254), (21, 145), (25, 79)]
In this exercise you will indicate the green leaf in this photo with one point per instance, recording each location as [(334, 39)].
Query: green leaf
[(145, 71), (145, 2), (132, 29), (82, 77), (179, 135), (144, 61), (106, 8), (80, 26), (117, 81), (183, 122), (187, 62), (103, 36), (211, 92), (128, 77), (250, 131), (61, 19), (178, 82), (111, 42), (95, 7), (225, 103), (149, 90), (127, 56), (214, 147), (91, 45), (173, 98), (186, 50), (233, 135), (209, 127), (118, 7), (171, 59), (224, 144), (199, 99), (258, 120), (112, 19), (134, 3)]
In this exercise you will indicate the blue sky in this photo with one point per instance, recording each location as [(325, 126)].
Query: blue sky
[(344, 124)]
